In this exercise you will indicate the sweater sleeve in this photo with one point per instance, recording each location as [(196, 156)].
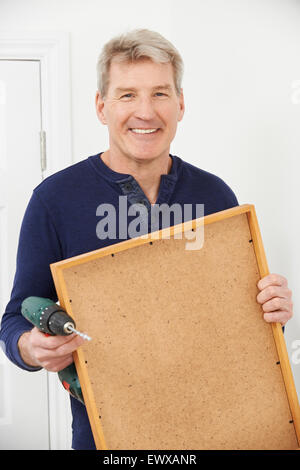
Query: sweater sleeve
[(38, 247)]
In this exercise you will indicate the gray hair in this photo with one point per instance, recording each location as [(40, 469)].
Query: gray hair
[(137, 45)]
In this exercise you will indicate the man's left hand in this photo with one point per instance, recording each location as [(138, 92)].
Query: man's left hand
[(275, 298)]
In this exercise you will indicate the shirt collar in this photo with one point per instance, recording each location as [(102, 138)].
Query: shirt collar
[(116, 177)]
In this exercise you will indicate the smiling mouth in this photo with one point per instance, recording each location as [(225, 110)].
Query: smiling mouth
[(144, 131)]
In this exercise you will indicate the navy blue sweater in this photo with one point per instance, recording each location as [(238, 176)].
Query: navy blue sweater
[(60, 222)]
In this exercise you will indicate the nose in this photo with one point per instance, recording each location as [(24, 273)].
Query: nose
[(145, 109)]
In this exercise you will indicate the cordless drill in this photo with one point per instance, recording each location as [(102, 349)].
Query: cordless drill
[(52, 320)]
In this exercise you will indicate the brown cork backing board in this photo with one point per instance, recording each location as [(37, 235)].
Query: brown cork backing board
[(180, 356)]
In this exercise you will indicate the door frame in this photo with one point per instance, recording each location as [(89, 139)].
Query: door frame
[(52, 50)]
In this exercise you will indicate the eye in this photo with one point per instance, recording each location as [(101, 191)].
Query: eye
[(128, 95), (161, 95)]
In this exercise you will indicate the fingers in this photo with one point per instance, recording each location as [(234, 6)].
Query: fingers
[(53, 342), (53, 353), (55, 365), (275, 298), (66, 348), (277, 317), (278, 301), (62, 351), (272, 280), (272, 292)]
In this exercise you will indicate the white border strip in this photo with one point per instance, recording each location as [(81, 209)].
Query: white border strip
[(5, 382)]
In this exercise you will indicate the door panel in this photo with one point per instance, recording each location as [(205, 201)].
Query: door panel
[(24, 422)]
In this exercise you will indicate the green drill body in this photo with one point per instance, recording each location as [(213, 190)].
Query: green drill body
[(51, 319)]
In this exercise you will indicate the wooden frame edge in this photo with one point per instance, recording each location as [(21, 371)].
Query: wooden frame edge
[(79, 361), (286, 370), (153, 236)]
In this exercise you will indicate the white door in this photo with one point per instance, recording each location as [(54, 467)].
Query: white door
[(24, 422)]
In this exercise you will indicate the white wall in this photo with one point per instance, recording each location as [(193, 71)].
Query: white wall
[(242, 97)]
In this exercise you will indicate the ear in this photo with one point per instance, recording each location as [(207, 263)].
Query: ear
[(181, 106), (100, 108)]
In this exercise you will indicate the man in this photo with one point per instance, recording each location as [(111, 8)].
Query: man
[(141, 101)]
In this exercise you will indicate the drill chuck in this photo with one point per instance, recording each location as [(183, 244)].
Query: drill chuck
[(47, 316), (69, 327)]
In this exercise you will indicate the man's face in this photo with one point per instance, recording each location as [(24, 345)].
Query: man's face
[(141, 109)]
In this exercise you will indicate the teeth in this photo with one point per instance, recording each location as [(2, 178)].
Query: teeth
[(144, 131)]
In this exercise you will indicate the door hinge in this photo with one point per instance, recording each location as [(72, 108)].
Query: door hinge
[(43, 150)]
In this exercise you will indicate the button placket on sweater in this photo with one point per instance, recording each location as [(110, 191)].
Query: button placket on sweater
[(133, 191), (130, 188), (165, 192)]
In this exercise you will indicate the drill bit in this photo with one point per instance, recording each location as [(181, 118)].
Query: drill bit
[(69, 327)]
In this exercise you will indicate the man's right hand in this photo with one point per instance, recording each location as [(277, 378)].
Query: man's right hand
[(53, 353)]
